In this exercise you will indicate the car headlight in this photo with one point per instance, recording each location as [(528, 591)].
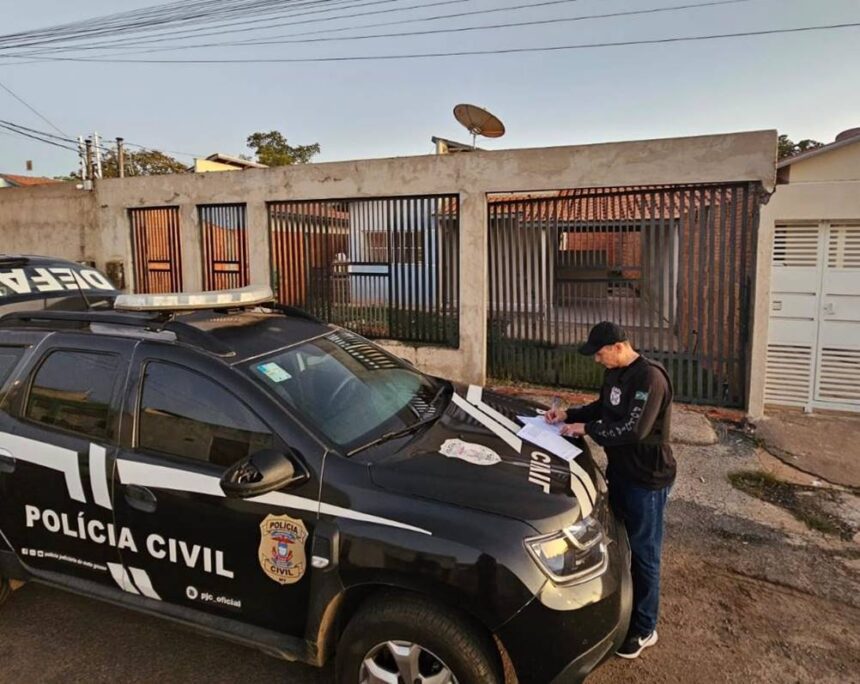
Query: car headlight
[(575, 554)]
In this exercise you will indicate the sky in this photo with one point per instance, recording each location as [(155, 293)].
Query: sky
[(803, 84)]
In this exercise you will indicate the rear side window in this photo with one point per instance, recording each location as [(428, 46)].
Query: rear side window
[(9, 357), (183, 413), (72, 391)]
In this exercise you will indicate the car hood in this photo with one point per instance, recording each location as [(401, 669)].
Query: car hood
[(471, 457)]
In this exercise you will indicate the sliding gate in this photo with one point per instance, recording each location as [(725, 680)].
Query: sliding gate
[(672, 264), (383, 267)]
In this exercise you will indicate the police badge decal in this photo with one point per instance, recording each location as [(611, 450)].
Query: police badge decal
[(282, 548)]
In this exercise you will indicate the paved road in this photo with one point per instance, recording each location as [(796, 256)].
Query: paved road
[(52, 637)]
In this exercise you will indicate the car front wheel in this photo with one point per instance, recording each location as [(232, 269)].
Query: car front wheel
[(407, 640)]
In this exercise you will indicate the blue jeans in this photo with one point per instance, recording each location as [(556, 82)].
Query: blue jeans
[(642, 512)]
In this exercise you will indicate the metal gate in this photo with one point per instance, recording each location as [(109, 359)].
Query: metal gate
[(383, 267), (225, 246), (155, 242), (672, 264), (813, 351)]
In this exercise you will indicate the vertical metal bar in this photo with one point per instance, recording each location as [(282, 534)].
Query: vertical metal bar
[(702, 294), (749, 224), (721, 324), (738, 204), (710, 302), (673, 290), (493, 287), (510, 323)]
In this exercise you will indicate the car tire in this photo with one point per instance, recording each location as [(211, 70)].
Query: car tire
[(5, 590), (388, 631)]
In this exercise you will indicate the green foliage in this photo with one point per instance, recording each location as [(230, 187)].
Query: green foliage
[(272, 149), (789, 148), (138, 163)]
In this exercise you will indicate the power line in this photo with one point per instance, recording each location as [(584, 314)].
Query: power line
[(43, 140), (459, 29), (460, 53), (183, 33), (32, 109), (424, 5)]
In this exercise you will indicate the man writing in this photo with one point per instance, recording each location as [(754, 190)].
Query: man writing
[(631, 420)]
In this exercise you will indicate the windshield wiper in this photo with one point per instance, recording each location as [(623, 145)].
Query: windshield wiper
[(406, 430)]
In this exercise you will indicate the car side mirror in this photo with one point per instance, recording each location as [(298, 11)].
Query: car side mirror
[(262, 472)]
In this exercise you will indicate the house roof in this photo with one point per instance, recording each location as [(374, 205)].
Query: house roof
[(452, 145), (604, 204), (844, 139), (235, 161), (26, 181)]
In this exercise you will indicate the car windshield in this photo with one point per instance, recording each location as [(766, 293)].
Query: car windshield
[(347, 387)]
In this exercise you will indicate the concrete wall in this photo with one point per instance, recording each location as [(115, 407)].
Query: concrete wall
[(835, 165), (716, 158), (52, 219)]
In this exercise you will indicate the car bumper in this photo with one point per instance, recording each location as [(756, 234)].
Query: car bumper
[(565, 632)]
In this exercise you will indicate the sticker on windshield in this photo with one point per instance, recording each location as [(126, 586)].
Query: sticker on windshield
[(274, 372), (477, 454)]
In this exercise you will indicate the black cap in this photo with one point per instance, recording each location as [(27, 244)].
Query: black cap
[(602, 334)]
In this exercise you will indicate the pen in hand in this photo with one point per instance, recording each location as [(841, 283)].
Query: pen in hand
[(553, 409)]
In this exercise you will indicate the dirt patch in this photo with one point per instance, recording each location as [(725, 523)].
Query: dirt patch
[(811, 505), (717, 625)]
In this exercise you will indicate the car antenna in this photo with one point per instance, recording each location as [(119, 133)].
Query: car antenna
[(81, 292)]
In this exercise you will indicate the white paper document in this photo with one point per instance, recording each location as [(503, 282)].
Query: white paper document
[(540, 421), (547, 438)]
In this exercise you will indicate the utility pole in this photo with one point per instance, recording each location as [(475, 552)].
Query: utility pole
[(82, 158), (89, 145), (120, 157), (98, 149)]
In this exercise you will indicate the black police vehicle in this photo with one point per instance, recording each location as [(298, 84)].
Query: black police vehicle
[(244, 469)]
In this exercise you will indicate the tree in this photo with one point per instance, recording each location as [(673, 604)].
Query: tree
[(138, 163), (789, 148), (272, 149)]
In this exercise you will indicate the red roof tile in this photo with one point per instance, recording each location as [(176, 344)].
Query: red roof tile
[(26, 181)]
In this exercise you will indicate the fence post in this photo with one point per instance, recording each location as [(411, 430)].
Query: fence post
[(474, 287), (259, 261), (191, 248)]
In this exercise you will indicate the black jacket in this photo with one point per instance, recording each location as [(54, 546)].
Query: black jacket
[(631, 421)]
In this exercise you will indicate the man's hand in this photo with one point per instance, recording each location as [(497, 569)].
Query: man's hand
[(555, 415), (573, 430)]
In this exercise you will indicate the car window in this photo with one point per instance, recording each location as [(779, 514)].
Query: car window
[(72, 391), (184, 413), (9, 357), (346, 387)]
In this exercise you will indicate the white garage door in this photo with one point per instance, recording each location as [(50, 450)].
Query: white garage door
[(813, 356)]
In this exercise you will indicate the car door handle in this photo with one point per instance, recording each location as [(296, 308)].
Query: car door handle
[(7, 464), (141, 498)]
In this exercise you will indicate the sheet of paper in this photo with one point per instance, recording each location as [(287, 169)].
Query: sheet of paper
[(540, 421), (549, 441)]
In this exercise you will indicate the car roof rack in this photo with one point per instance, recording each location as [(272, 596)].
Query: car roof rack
[(147, 322)]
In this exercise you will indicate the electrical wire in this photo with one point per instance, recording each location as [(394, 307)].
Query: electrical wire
[(31, 108), (460, 53), (111, 29), (43, 140), (460, 29)]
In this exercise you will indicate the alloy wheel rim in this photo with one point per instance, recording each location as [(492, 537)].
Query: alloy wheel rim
[(403, 662)]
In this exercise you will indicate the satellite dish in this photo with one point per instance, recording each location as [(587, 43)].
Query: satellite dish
[(479, 122)]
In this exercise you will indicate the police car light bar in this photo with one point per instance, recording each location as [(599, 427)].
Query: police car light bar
[(191, 301)]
